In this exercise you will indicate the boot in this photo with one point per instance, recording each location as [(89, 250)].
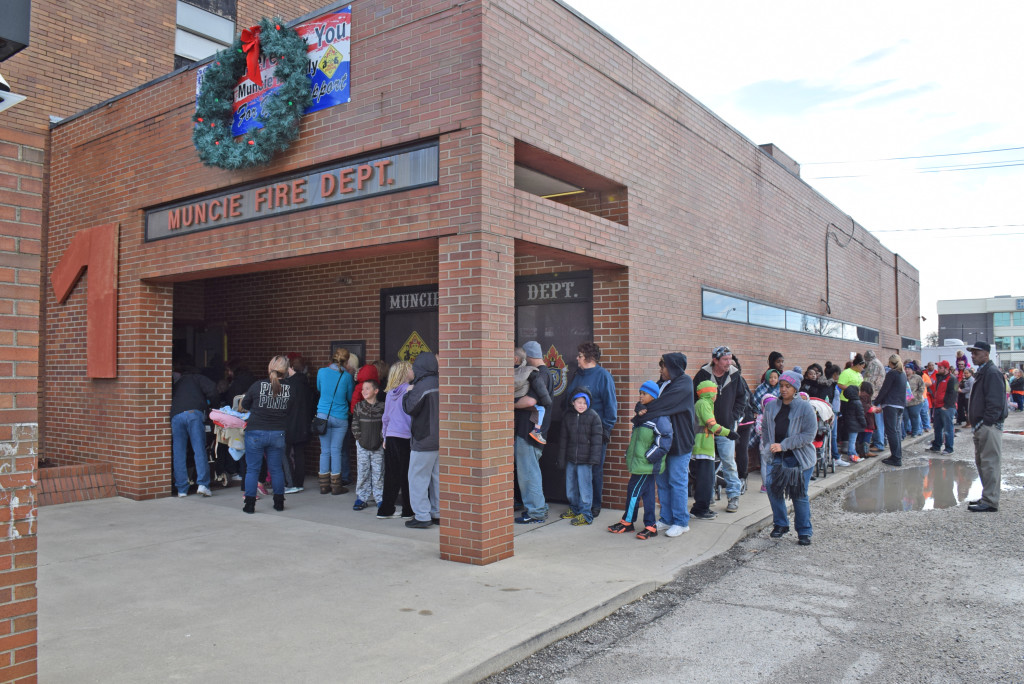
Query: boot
[(279, 502), (325, 483), (336, 486), (250, 505)]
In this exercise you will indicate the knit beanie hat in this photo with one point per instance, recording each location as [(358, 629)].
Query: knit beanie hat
[(583, 395), (533, 350), (793, 378), (651, 387)]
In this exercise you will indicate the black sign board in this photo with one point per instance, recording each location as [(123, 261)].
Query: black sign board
[(556, 310), (408, 321)]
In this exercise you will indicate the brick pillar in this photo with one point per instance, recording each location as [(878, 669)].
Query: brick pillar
[(21, 201), (476, 325)]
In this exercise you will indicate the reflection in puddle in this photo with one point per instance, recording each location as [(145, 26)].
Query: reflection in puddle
[(937, 484)]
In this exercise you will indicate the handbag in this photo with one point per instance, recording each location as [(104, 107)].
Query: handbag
[(319, 425)]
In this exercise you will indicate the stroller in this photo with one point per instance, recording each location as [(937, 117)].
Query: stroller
[(823, 437)]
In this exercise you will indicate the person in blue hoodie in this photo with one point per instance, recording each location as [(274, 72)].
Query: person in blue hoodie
[(598, 382), (676, 402)]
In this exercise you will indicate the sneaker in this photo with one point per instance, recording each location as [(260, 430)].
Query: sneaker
[(236, 478), (706, 515), (292, 490), (647, 533), (568, 515), (182, 495), (804, 540), (892, 462), (359, 505), (935, 449), (764, 490), (525, 519), (621, 527), (677, 530), (538, 437), (947, 451), (261, 489), (204, 490), (734, 505), (579, 521), (841, 463), (406, 516), (418, 524), (662, 526), (394, 515), (854, 458)]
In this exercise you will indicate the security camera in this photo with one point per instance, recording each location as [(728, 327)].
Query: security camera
[(7, 98)]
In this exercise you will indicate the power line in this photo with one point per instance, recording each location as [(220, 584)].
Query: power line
[(935, 170), (920, 156), (919, 230)]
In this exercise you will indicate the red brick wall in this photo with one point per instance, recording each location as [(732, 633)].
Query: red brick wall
[(21, 200)]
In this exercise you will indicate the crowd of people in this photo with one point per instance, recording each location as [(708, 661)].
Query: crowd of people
[(685, 431)]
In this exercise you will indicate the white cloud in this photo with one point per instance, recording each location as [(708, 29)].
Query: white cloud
[(863, 81)]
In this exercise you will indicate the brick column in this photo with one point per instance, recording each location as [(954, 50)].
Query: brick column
[(476, 327), (21, 201)]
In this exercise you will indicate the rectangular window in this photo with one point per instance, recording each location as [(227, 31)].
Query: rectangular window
[(768, 316), (1003, 343), (1018, 343), (199, 33), (725, 307), (832, 328), (1018, 318), (910, 344), (1001, 319)]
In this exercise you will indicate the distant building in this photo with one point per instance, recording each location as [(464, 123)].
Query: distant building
[(996, 320)]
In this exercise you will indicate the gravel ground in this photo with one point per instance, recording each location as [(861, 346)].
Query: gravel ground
[(919, 596)]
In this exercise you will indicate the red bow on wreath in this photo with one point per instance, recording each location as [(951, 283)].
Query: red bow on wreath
[(251, 48)]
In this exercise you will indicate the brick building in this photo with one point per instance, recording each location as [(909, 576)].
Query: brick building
[(547, 185)]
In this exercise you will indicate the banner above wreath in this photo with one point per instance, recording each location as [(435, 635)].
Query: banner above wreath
[(250, 99)]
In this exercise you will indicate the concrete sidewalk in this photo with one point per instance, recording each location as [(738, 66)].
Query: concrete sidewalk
[(193, 589)]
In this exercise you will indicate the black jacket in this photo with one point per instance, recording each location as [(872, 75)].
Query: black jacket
[(731, 395), (988, 397), (192, 392), (676, 402), (894, 390), (853, 414), (297, 430), (422, 402), (582, 436)]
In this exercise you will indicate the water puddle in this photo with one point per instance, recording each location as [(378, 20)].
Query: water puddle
[(939, 483)]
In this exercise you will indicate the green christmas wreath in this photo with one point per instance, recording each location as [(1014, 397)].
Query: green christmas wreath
[(281, 109)]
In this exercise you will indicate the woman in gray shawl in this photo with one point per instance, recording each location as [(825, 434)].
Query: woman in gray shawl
[(787, 442)]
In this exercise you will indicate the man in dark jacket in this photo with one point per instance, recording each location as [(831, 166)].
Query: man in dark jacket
[(191, 394), (986, 411), (676, 402), (527, 451), (943, 394), (732, 395), (596, 378), (422, 403)]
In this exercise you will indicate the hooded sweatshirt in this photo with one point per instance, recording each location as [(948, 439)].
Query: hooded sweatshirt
[(707, 426), (422, 403), (676, 402), (396, 422)]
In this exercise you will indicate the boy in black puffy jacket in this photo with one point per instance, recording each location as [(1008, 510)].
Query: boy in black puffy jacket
[(853, 414), (580, 449)]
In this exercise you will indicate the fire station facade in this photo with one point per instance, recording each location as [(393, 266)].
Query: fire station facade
[(503, 172)]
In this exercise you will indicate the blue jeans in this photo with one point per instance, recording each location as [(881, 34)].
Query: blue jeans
[(599, 481), (878, 438), (851, 446), (835, 437), (726, 449), (912, 419), (926, 416), (531, 484), (801, 505), (330, 444), (579, 488), (943, 420), (260, 443), (674, 490), (186, 427)]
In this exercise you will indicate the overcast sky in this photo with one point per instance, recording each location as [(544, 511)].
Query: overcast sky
[(866, 81)]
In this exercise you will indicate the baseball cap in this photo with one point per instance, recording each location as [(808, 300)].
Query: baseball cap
[(980, 346), (943, 364)]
